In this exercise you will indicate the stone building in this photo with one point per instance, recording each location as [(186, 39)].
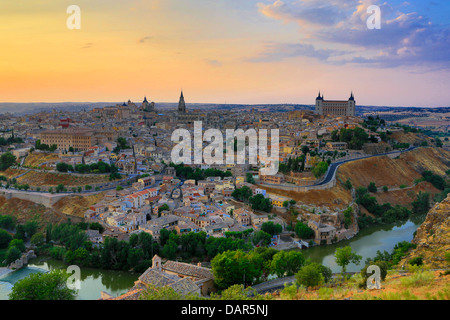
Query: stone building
[(335, 107), (184, 278)]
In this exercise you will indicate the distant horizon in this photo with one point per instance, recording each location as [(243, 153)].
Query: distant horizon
[(217, 103)]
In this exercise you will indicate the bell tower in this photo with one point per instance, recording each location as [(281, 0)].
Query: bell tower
[(182, 104)]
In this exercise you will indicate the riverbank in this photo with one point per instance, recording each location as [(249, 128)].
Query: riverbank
[(4, 271), (93, 281)]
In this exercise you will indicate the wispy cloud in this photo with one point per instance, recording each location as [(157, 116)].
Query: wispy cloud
[(214, 63), (405, 38), (144, 39), (88, 45), (277, 51)]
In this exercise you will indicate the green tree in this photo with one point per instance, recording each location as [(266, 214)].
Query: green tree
[(372, 187), (152, 292), (259, 202), (7, 222), (12, 254), (320, 169), (249, 178), (309, 276), (7, 160), (30, 228), (303, 231), (287, 263), (38, 239), (237, 292), (43, 286), (348, 184), (344, 256), (271, 228), (422, 203), (5, 239), (236, 267), (383, 271), (18, 243), (261, 238)]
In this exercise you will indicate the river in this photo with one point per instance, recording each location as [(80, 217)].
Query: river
[(94, 281), (366, 243)]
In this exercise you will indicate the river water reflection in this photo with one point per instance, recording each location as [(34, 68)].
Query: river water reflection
[(366, 243), (94, 281)]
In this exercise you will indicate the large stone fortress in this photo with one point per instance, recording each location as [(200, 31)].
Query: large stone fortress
[(335, 107)]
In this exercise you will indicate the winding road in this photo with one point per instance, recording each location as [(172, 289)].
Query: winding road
[(331, 173)]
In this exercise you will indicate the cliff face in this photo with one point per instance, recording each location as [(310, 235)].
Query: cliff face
[(433, 237)]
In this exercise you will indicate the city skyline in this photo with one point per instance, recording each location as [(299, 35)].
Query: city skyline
[(256, 52)]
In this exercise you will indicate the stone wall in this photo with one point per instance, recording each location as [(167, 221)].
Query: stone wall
[(23, 260)]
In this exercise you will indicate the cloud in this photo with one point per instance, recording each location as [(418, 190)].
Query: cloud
[(144, 39), (277, 51), (316, 12), (88, 45), (405, 38), (214, 63)]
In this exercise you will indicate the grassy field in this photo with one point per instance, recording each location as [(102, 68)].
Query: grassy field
[(34, 178), (37, 158), (415, 285)]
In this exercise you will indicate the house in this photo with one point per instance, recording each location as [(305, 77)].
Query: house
[(243, 216), (137, 199), (154, 227), (94, 236), (323, 233), (147, 181), (332, 146), (184, 278)]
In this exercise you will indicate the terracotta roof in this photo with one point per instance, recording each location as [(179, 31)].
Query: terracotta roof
[(185, 286), (187, 269), (130, 295), (158, 278)]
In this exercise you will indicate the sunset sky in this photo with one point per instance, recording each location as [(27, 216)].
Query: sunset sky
[(226, 51)]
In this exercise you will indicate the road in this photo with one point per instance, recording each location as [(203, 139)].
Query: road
[(334, 166)]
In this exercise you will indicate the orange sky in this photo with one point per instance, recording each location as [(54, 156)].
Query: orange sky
[(131, 49)]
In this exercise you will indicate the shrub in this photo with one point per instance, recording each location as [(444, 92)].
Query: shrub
[(5, 238), (418, 279), (309, 276), (383, 272), (303, 231), (12, 254), (417, 261), (348, 184), (372, 187)]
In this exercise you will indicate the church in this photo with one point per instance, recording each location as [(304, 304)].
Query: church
[(338, 108), (187, 118)]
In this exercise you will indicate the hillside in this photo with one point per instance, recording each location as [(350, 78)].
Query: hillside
[(433, 237), (427, 285), (35, 159), (399, 175), (411, 138), (25, 210), (334, 198), (77, 205), (37, 178), (393, 173)]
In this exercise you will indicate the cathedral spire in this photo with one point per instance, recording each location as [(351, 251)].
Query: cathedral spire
[(182, 104)]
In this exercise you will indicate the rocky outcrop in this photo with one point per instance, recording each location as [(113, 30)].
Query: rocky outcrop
[(433, 237), (19, 263)]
